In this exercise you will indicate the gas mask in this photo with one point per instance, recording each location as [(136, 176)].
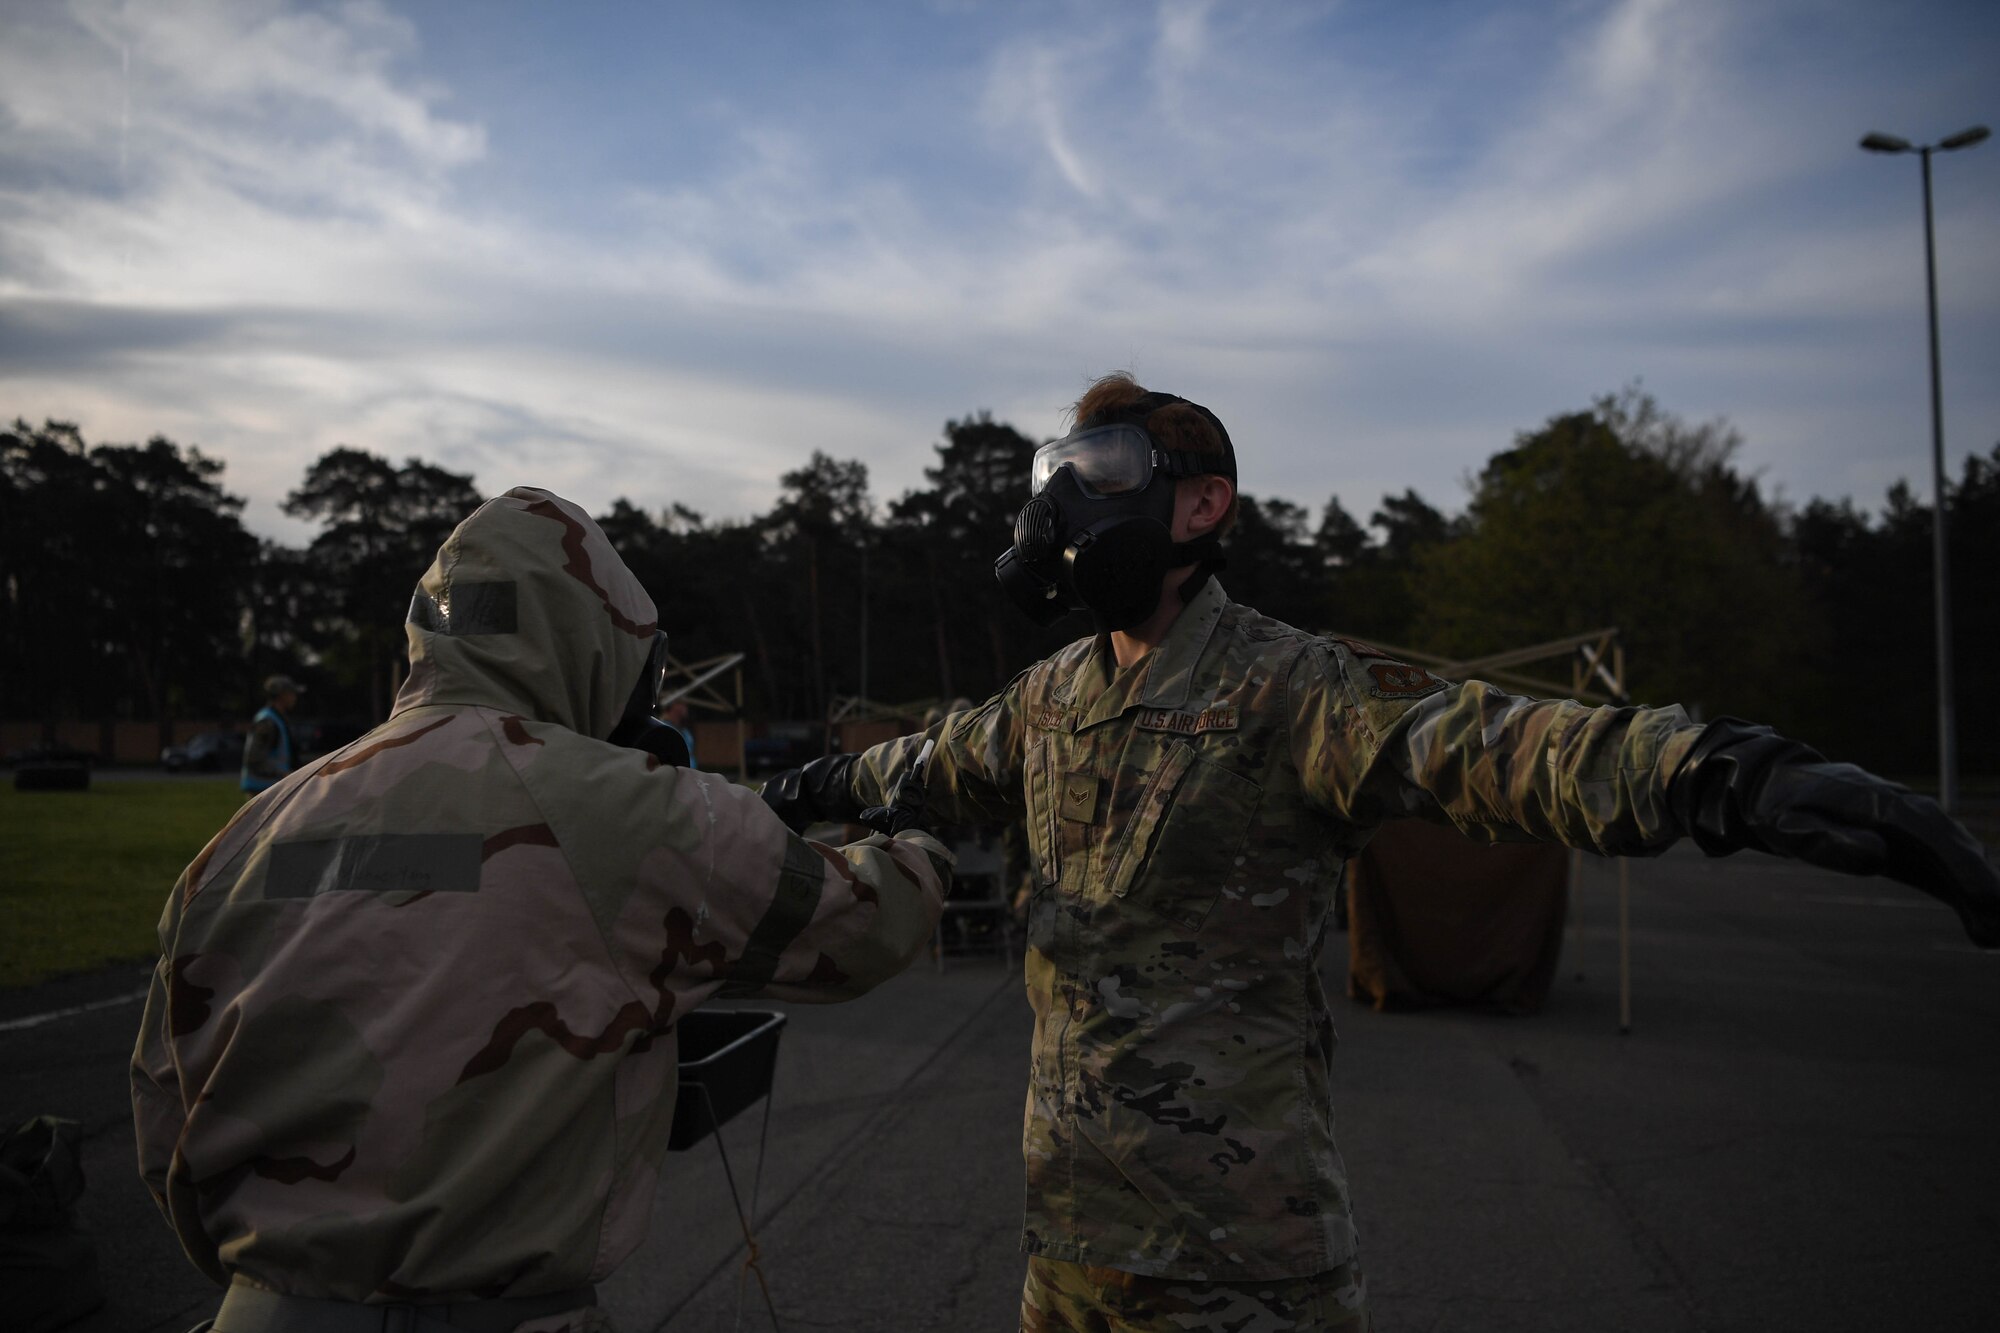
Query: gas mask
[(1097, 532), (638, 729)]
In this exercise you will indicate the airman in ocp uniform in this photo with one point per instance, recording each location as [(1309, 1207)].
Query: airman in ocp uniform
[(1191, 780), (409, 1057)]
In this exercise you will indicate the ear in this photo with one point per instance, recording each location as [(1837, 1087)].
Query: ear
[(1208, 498)]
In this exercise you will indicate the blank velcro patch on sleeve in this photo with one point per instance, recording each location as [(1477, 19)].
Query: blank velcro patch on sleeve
[(375, 863), (467, 609)]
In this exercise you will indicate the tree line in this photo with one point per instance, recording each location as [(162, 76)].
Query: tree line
[(133, 590)]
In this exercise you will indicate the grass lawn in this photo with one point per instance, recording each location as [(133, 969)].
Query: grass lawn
[(83, 875)]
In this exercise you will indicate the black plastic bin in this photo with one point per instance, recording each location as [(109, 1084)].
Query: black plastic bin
[(52, 775), (726, 1059)]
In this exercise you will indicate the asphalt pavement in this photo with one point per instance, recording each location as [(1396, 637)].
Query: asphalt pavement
[(1798, 1133)]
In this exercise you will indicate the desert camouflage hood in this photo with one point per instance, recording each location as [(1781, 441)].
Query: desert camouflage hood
[(528, 609)]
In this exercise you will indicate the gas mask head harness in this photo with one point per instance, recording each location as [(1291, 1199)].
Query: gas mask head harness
[(1097, 532), (638, 729)]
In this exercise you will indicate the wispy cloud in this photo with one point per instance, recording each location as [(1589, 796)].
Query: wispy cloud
[(1378, 244)]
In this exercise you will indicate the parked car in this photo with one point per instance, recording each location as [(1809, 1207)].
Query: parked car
[(207, 752)]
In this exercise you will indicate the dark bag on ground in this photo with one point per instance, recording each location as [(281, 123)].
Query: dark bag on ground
[(48, 1266)]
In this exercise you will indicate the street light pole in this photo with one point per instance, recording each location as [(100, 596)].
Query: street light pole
[(1940, 561)]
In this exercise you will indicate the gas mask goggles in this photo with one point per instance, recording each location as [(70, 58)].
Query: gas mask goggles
[(1096, 533), (638, 729)]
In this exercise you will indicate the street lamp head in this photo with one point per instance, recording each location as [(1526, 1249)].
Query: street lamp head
[(1877, 142), (1966, 138)]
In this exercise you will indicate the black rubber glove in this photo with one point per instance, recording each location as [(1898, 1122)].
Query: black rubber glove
[(908, 803), (1746, 786), (820, 790)]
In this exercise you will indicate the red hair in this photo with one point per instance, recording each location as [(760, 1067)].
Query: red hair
[(1175, 426)]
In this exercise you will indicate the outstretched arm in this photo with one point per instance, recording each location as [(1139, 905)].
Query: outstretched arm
[(973, 775), (1376, 740), (1746, 786), (1374, 744), (749, 907)]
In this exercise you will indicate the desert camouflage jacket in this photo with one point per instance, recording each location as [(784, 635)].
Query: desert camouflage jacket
[(413, 1031), (1188, 817)]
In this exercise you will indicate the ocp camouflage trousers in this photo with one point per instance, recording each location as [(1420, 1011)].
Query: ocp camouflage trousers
[(1075, 1298)]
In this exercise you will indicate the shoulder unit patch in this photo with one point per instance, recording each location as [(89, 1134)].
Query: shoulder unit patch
[(1398, 680)]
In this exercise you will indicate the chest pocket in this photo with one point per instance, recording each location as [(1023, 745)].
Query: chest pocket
[(1187, 833)]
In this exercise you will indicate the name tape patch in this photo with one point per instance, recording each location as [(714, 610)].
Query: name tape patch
[(1050, 717)]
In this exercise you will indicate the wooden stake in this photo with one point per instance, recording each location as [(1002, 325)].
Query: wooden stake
[(1576, 909), (1624, 946)]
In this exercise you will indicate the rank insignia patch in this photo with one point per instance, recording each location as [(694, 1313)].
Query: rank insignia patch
[(1079, 797)]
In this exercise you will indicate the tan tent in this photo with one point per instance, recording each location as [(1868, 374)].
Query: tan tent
[(1435, 918)]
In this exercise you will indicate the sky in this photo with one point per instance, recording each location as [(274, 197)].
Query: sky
[(667, 251)]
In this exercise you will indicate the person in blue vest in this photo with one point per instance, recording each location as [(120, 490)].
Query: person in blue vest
[(271, 752), (675, 715)]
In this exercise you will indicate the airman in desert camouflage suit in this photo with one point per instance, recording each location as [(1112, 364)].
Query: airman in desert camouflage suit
[(412, 1037), (1188, 814)]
